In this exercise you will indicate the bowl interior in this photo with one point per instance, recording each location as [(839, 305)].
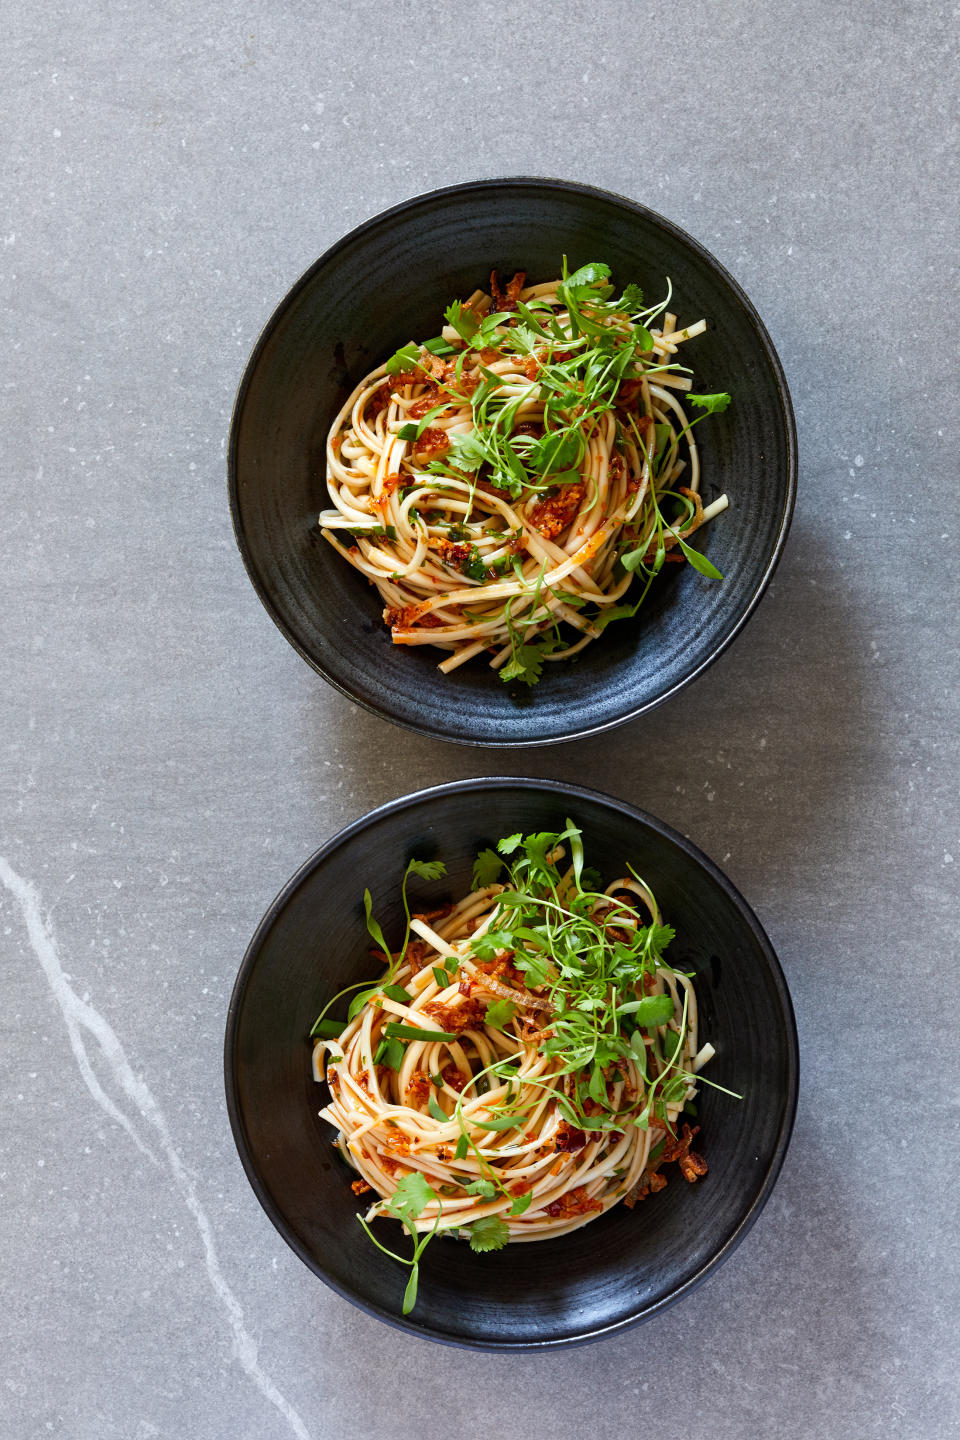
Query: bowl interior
[(622, 1266), (388, 283)]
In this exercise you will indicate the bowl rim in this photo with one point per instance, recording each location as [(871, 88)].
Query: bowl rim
[(574, 792), (425, 727)]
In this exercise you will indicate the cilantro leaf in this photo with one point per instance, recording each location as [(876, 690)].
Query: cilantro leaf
[(537, 847), (651, 1011), (436, 1111), (582, 281), (509, 843), (406, 358), (712, 404), (463, 320), (484, 1188), (525, 664), (533, 967), (467, 451), (486, 868), (658, 937), (631, 300), (490, 1233), (427, 869), (411, 1197), (489, 946), (500, 1013), (463, 1145)]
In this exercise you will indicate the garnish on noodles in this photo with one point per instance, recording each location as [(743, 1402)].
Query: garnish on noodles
[(510, 485), (527, 1061)]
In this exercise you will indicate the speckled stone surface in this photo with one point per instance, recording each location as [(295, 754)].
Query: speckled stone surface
[(168, 761)]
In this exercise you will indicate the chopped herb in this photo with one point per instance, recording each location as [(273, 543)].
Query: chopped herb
[(397, 992), (329, 1029), (411, 1032)]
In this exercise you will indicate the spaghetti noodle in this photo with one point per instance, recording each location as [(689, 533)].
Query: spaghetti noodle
[(505, 483), (525, 1063)]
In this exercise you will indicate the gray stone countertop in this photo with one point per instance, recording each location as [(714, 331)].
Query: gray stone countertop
[(168, 761)]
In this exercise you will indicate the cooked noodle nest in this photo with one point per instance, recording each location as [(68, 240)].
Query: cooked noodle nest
[(392, 518), (382, 1116)]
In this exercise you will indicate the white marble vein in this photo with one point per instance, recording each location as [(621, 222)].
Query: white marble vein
[(79, 1017)]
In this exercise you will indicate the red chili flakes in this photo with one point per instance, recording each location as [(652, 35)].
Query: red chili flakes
[(359, 1187), (402, 616), (405, 617), (467, 1015), (380, 502), (573, 1202), (398, 1144), (427, 401), (568, 1138), (455, 1078), (554, 514), (418, 1088), (432, 442), (452, 553)]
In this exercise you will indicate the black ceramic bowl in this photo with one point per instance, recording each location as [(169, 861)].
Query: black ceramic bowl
[(624, 1266), (388, 282)]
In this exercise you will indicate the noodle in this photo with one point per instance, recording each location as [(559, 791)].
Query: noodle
[(527, 1112), (512, 476)]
